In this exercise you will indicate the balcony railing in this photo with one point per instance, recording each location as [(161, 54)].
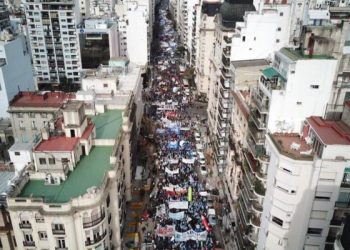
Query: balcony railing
[(94, 221), (25, 225), (342, 204), (259, 122), (256, 150), (58, 231), (258, 135), (29, 243), (97, 239), (260, 102)]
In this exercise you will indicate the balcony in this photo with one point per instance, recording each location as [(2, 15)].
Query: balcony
[(256, 150), (90, 222), (259, 188), (262, 103), (257, 119), (226, 51), (224, 103), (25, 225), (228, 40), (224, 94), (254, 166), (225, 78), (58, 231), (336, 222), (225, 62), (257, 135), (342, 204), (29, 243), (97, 238)]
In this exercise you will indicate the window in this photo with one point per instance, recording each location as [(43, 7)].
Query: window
[(20, 115), (42, 235), (314, 86), (21, 125), (279, 29), (52, 161), (61, 243), (33, 125), (315, 231), (243, 38), (43, 115), (325, 196), (277, 40), (32, 115), (277, 221), (42, 161), (281, 13), (17, 153), (299, 103), (105, 85), (319, 215)]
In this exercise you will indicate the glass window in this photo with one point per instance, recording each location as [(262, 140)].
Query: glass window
[(52, 161), (42, 161), (316, 231)]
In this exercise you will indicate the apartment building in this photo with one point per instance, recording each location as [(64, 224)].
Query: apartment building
[(308, 182), (54, 41), (245, 75), (206, 38), (298, 83), (32, 111), (13, 55), (52, 207), (99, 41)]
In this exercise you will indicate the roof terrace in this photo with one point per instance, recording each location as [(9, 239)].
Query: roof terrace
[(296, 54), (91, 169), (292, 146), (108, 124)]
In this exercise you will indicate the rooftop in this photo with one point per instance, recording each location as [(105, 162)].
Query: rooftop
[(295, 55), (40, 99), (57, 144), (271, 72), (250, 63), (91, 169), (108, 124), (292, 146), (330, 132), (72, 105)]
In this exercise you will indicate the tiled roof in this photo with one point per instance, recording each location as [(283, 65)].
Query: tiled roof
[(57, 144), (330, 132), (47, 99)]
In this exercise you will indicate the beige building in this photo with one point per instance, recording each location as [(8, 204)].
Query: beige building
[(32, 111), (74, 194)]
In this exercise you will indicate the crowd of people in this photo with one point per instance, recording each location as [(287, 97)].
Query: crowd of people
[(179, 200)]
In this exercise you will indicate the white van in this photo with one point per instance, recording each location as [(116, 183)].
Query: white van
[(201, 158)]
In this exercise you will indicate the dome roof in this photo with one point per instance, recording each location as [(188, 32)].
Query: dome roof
[(233, 11)]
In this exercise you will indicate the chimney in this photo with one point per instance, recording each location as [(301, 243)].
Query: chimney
[(44, 134)]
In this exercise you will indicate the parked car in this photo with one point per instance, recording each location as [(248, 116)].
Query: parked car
[(211, 216)]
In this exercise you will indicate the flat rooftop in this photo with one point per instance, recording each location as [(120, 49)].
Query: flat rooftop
[(88, 173), (30, 99), (295, 55), (108, 124), (285, 141), (250, 63), (57, 144), (330, 132)]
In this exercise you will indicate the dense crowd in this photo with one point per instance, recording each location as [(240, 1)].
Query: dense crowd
[(179, 199)]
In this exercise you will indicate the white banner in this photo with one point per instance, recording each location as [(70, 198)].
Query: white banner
[(178, 204), (177, 216), (176, 171), (188, 161), (191, 235)]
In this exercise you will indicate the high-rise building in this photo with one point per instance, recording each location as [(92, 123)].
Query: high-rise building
[(14, 54), (54, 41)]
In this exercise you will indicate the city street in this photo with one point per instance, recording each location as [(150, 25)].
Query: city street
[(176, 201)]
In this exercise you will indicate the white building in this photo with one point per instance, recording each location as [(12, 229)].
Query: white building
[(308, 186), (14, 55), (53, 40)]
